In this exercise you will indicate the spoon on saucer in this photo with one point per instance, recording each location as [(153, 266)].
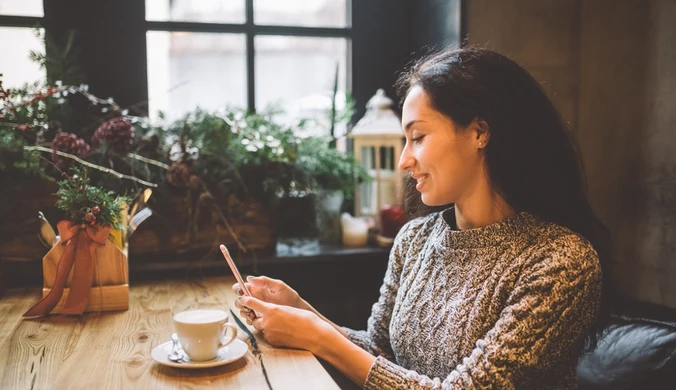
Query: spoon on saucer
[(176, 355)]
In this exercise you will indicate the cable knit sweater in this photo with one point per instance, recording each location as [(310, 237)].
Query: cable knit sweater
[(504, 306)]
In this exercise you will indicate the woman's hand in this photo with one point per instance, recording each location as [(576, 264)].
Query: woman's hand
[(269, 290), (286, 326)]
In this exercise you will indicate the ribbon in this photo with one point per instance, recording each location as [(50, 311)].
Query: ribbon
[(80, 256)]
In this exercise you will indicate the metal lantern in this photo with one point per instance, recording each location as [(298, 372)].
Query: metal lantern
[(378, 143)]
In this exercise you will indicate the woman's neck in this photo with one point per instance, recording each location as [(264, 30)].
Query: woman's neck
[(483, 208)]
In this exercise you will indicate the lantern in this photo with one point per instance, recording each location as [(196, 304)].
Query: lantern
[(378, 143)]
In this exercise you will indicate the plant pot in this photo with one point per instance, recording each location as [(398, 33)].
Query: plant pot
[(297, 225)]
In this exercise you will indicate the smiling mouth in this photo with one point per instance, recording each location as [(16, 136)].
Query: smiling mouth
[(420, 180)]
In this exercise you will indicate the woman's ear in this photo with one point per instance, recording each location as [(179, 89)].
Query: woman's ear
[(480, 132)]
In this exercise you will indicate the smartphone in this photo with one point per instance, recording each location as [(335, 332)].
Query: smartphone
[(235, 272)]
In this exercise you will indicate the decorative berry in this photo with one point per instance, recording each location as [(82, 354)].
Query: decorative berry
[(118, 134), (90, 217), (96, 210)]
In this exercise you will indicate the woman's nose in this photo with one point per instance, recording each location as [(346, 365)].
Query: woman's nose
[(406, 161)]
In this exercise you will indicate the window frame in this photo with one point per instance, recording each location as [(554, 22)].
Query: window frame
[(251, 30)]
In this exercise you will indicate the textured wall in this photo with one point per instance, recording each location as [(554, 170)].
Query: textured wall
[(543, 36), (610, 67)]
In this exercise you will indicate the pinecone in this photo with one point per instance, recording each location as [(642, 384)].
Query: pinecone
[(118, 134), (178, 175), (68, 143)]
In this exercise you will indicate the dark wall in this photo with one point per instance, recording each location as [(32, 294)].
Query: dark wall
[(627, 119), (382, 31), (388, 35), (112, 43), (436, 24)]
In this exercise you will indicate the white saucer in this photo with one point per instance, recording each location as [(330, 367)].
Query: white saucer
[(229, 354)]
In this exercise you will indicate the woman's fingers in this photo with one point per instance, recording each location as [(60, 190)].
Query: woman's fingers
[(254, 304), (257, 323)]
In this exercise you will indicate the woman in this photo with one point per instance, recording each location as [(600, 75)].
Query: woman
[(499, 291)]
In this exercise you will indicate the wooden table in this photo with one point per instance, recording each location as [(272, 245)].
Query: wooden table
[(111, 350)]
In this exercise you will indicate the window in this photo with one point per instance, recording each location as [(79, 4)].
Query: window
[(22, 8), (248, 54), (19, 38)]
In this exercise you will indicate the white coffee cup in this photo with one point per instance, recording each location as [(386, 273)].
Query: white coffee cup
[(201, 332)]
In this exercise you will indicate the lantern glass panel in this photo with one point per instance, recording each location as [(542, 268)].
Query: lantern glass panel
[(387, 158)]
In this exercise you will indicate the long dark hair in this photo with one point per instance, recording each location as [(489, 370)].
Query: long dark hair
[(531, 157)]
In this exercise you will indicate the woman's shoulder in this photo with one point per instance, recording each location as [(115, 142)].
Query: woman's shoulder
[(563, 246), (419, 226)]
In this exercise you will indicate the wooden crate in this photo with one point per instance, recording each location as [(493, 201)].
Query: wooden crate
[(110, 286), (167, 234)]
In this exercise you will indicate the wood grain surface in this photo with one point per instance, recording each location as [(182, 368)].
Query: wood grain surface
[(111, 350)]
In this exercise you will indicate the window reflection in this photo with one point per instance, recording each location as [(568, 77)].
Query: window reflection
[(297, 74), (205, 11), (190, 70), (314, 13), (17, 69), (21, 8)]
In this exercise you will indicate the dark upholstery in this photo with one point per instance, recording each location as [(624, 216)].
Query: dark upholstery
[(634, 353)]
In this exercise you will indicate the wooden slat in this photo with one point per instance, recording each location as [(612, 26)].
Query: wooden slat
[(104, 298), (111, 267), (111, 350)]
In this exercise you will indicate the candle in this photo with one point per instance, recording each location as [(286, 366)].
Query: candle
[(355, 230), (392, 218)]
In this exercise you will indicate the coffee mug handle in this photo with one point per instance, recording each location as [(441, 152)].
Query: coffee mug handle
[(224, 330)]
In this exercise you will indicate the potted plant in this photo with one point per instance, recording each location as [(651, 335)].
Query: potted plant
[(334, 176)]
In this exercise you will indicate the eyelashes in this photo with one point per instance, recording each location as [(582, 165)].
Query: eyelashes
[(417, 140)]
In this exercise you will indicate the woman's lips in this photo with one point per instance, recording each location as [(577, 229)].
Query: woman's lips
[(421, 179)]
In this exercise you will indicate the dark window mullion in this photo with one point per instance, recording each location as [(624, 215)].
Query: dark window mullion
[(320, 32), (20, 21), (195, 27), (250, 65)]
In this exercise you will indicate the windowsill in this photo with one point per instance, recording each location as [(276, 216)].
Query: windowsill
[(151, 267)]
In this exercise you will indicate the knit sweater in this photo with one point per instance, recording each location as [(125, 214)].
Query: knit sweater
[(504, 306)]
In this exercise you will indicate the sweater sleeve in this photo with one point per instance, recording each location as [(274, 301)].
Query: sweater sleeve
[(554, 302), (376, 338)]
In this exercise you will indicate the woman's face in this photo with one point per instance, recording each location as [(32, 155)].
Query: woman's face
[(445, 160)]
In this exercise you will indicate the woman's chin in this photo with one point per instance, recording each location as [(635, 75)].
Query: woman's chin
[(430, 200)]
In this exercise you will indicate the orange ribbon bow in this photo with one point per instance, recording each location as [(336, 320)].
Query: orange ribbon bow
[(80, 242)]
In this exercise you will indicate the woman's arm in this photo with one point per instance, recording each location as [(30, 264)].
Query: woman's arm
[(542, 326), (302, 329)]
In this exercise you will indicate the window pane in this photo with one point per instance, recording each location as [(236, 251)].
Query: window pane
[(187, 70), (205, 11), (15, 66), (297, 74), (315, 13), (21, 8)]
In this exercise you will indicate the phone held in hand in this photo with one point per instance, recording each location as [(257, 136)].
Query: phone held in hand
[(234, 270)]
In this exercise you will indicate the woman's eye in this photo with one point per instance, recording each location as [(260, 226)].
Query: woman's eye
[(417, 140)]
